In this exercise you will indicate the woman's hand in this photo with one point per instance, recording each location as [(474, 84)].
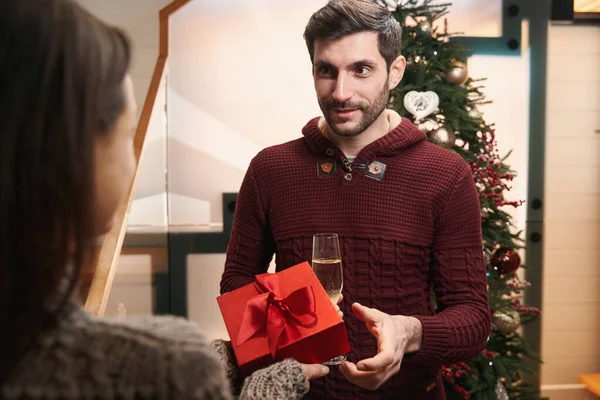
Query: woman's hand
[(284, 380), (337, 305), (314, 371)]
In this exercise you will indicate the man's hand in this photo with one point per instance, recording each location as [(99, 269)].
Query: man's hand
[(395, 336)]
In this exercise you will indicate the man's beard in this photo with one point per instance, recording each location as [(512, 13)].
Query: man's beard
[(369, 112)]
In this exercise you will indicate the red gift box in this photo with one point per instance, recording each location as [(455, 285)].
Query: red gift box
[(282, 315)]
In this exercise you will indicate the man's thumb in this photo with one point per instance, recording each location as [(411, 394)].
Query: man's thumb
[(365, 314), (314, 371)]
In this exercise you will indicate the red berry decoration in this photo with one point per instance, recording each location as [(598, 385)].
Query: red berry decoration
[(505, 260)]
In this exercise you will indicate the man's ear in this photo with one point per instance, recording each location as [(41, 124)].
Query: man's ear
[(397, 71)]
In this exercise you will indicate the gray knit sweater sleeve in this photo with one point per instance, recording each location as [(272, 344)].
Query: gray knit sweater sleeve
[(282, 380), (127, 358), (133, 358)]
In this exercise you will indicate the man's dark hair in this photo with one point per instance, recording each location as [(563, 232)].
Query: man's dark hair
[(340, 18)]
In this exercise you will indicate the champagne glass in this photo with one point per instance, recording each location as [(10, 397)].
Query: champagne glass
[(327, 266)]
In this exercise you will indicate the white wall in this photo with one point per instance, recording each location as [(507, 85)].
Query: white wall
[(509, 111), (240, 81), (571, 303)]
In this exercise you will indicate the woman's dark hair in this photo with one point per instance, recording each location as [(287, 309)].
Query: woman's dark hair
[(339, 18), (61, 85)]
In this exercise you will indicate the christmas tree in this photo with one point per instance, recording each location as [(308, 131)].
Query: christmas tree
[(438, 95)]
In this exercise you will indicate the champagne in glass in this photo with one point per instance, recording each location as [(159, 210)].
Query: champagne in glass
[(327, 265), (329, 273)]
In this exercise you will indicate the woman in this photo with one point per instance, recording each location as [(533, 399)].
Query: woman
[(67, 117)]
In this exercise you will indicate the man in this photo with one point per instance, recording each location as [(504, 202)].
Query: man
[(407, 213)]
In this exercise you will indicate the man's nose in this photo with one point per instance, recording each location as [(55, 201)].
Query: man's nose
[(342, 91)]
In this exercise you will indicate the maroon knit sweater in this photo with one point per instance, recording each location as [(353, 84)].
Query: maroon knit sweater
[(417, 229)]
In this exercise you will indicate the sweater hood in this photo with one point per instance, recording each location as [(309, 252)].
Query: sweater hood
[(403, 135)]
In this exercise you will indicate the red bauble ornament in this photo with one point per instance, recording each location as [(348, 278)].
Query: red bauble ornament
[(505, 260)]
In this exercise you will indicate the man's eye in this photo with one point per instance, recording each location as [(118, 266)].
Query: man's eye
[(324, 70), (363, 70)]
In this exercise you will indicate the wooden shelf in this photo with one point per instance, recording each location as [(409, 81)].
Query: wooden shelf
[(591, 382)]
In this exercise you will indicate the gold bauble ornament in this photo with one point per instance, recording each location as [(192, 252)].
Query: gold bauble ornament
[(458, 73), (421, 60), (428, 125), (507, 320), (501, 393), (442, 137), (425, 26), (475, 115)]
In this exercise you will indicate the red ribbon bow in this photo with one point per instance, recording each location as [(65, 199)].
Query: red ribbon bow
[(279, 317)]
